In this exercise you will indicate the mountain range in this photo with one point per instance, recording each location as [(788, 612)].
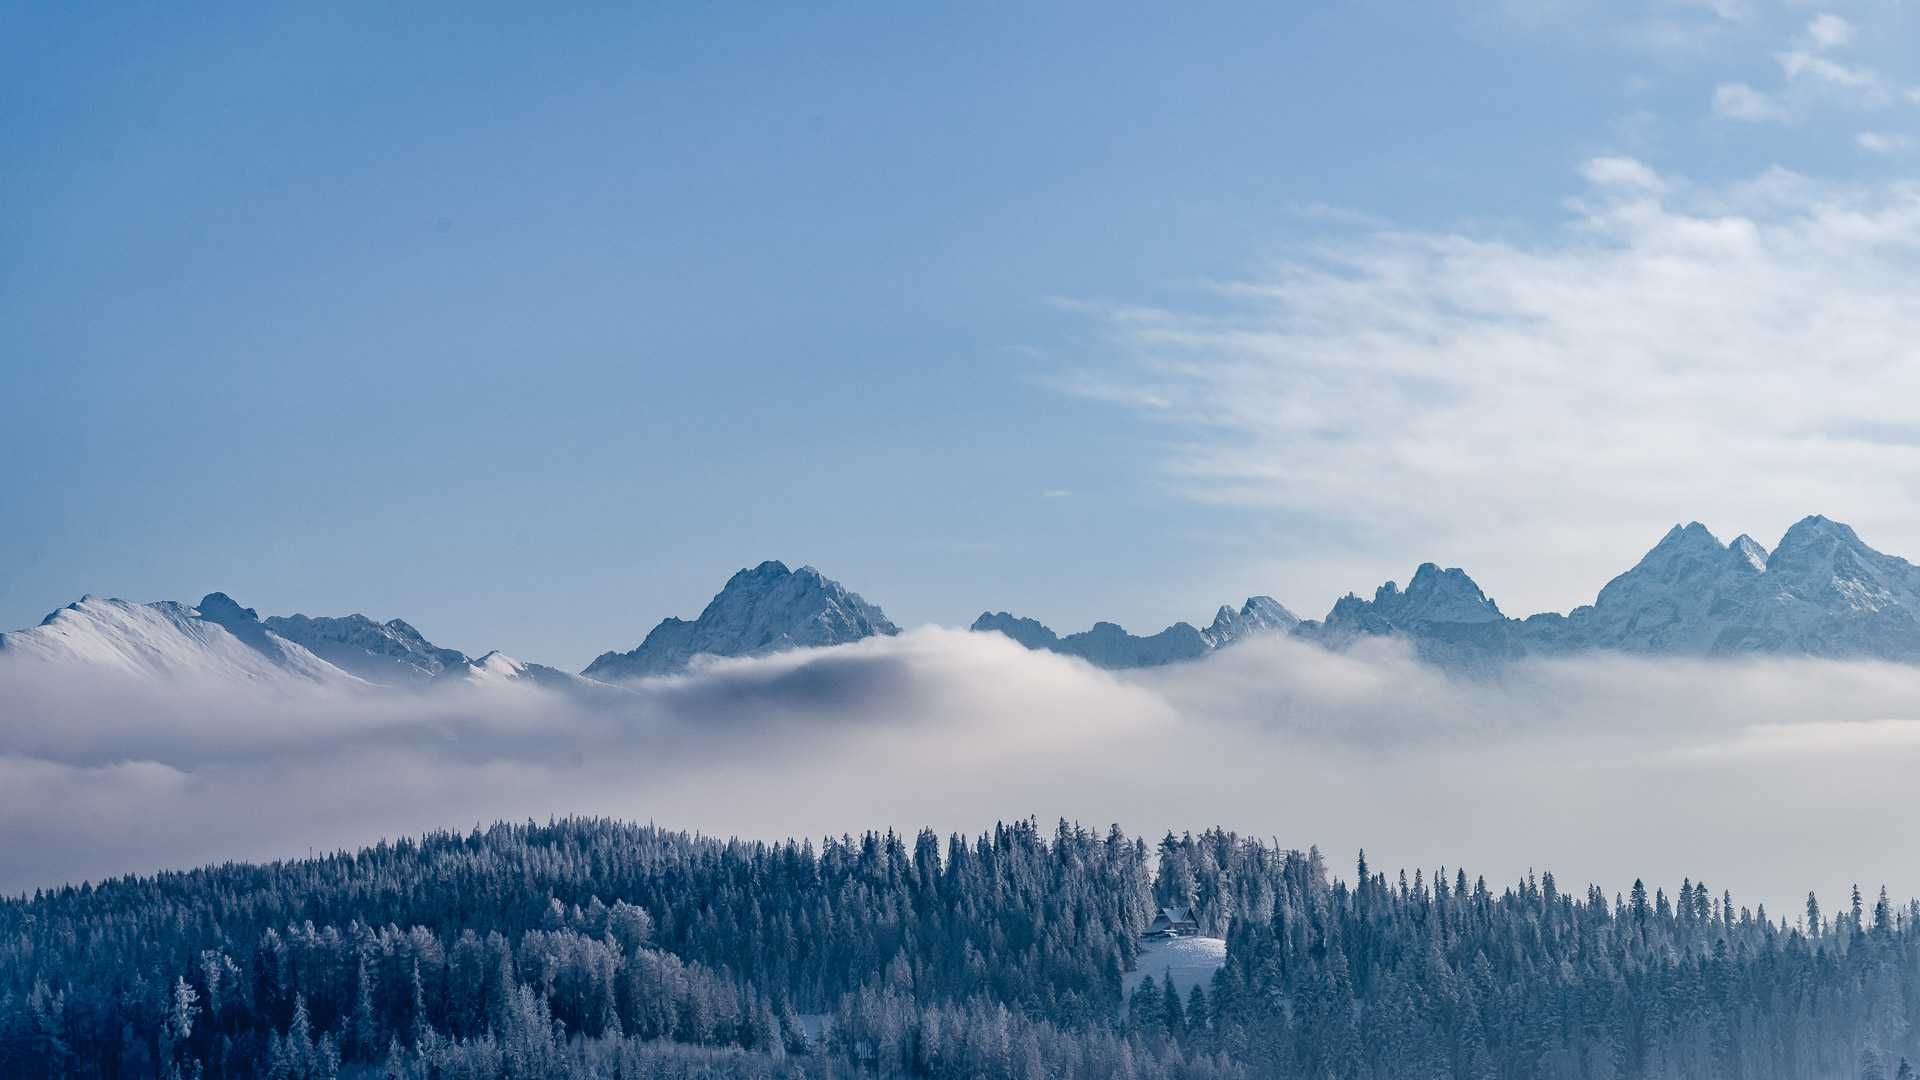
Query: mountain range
[(218, 640), (1821, 592)]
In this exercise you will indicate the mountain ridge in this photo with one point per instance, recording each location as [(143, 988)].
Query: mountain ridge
[(1109, 645), (1820, 592)]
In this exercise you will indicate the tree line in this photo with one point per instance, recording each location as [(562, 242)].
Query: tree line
[(591, 947)]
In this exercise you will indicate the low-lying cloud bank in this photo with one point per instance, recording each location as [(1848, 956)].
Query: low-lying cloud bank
[(1768, 778)]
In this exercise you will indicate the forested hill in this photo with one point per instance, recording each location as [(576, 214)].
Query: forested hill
[(596, 948)]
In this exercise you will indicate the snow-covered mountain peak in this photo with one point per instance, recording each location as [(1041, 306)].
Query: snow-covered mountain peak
[(766, 609), (1267, 610), (392, 653), (1449, 595), (770, 570), (498, 665), (1825, 564), (169, 640), (1259, 615), (1820, 539), (498, 671), (1692, 534), (1748, 555)]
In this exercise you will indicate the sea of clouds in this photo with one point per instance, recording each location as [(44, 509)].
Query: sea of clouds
[(1768, 778)]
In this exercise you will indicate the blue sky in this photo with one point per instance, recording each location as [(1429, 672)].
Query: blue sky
[(531, 327)]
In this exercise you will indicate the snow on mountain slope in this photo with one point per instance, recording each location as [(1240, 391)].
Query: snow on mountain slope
[(1108, 645), (1448, 618), (1259, 615), (392, 653), (1826, 593), (763, 610), (1821, 593), (496, 670), (1678, 598), (218, 640)]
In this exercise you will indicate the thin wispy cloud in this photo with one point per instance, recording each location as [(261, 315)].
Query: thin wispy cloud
[(1729, 10), (1852, 84), (1471, 397), (1882, 142), (1738, 101), (1816, 71)]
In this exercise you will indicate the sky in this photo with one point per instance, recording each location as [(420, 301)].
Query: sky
[(530, 328)]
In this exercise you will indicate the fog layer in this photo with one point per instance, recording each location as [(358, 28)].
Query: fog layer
[(1768, 778)]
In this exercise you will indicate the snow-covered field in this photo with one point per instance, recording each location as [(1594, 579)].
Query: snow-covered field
[(1190, 961)]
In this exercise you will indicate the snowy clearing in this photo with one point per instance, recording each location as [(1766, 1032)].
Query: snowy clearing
[(1190, 961)]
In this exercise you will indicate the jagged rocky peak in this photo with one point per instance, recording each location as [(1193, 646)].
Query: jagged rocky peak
[(761, 610), (1433, 595), (1442, 613), (1436, 595), (803, 606), (1259, 615), (1748, 555), (1688, 552)]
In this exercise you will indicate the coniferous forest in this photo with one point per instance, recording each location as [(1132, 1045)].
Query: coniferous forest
[(594, 948)]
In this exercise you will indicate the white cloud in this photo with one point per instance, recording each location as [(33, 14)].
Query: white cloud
[(1738, 101), (1881, 142), (1799, 63), (1539, 412), (1854, 85), (1336, 215), (1622, 172), (1830, 31)]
